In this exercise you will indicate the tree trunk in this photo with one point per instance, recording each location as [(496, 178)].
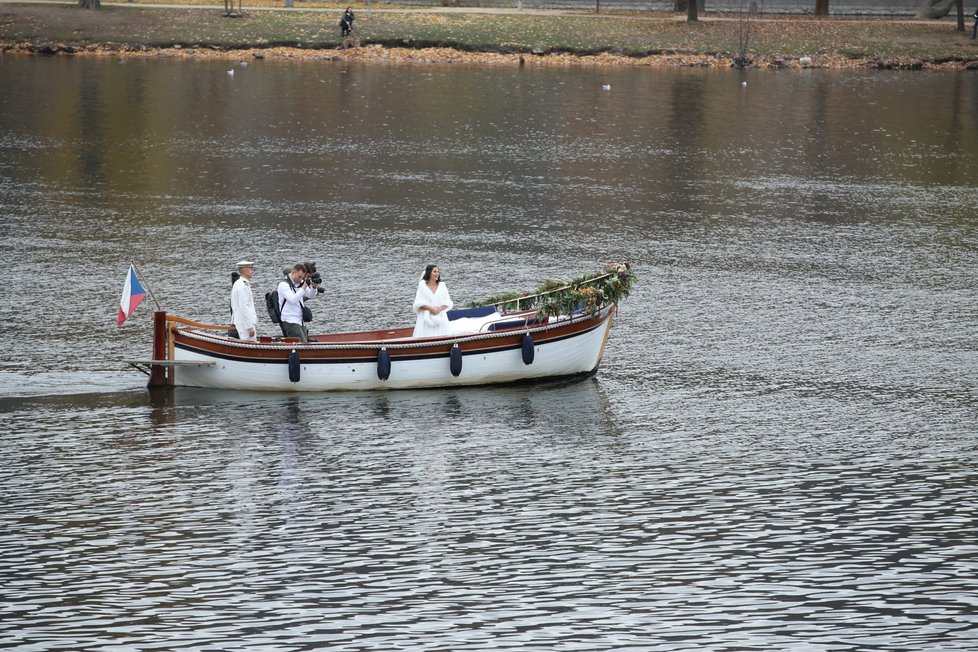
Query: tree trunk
[(935, 8), (89, 4), (960, 15), (821, 7), (692, 15), (682, 6)]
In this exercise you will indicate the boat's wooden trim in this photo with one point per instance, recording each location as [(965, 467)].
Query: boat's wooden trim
[(607, 332), (366, 354), (196, 324), (365, 349)]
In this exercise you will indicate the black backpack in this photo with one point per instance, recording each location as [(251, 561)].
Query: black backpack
[(273, 307)]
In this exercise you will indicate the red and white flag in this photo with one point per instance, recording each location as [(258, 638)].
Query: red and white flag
[(132, 294)]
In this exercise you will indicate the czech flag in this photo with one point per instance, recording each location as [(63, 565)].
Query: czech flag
[(132, 295)]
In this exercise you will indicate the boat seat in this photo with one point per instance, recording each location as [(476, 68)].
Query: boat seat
[(481, 311), (515, 323)]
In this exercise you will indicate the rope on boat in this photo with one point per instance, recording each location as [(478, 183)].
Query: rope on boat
[(321, 346)]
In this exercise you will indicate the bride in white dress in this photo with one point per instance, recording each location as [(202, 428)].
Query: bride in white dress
[(432, 304)]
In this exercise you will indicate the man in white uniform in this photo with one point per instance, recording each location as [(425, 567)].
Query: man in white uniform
[(243, 303)]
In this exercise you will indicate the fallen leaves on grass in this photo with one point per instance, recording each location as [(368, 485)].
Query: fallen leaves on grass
[(443, 55)]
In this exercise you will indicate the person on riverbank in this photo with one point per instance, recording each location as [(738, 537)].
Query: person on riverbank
[(292, 294), (243, 314), (974, 30), (432, 303), (346, 22)]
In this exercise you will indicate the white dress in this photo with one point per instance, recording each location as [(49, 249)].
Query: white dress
[(429, 325)]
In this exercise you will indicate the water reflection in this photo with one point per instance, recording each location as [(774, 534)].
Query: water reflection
[(503, 136), (554, 405)]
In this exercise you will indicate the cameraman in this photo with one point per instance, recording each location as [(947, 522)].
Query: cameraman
[(292, 293)]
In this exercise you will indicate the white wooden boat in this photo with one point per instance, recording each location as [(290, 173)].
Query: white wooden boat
[(488, 346)]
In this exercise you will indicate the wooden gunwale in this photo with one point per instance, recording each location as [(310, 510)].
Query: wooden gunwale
[(365, 349)]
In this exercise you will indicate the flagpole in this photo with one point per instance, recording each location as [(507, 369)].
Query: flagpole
[(143, 281)]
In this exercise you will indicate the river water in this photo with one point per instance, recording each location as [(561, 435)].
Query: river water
[(778, 452)]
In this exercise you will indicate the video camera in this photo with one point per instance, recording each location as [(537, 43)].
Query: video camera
[(313, 277)]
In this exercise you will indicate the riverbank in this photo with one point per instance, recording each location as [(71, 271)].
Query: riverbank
[(489, 37)]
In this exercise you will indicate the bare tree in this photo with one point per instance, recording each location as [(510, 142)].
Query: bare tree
[(230, 12), (935, 8), (691, 7), (742, 59), (89, 4), (681, 6), (940, 9), (821, 7)]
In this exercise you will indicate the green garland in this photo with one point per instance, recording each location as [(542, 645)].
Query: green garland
[(557, 297)]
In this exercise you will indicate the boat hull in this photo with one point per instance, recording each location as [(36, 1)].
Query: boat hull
[(569, 348)]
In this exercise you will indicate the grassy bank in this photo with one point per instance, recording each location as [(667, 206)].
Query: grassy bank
[(624, 38)]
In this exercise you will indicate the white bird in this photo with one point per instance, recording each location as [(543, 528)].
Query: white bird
[(606, 87), (231, 72), (743, 83)]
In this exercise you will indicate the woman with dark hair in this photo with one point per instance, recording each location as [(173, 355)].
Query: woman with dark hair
[(346, 23), (432, 304)]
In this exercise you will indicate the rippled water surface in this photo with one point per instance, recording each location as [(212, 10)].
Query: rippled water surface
[(778, 452)]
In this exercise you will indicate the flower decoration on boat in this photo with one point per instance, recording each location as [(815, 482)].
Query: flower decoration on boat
[(562, 297)]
